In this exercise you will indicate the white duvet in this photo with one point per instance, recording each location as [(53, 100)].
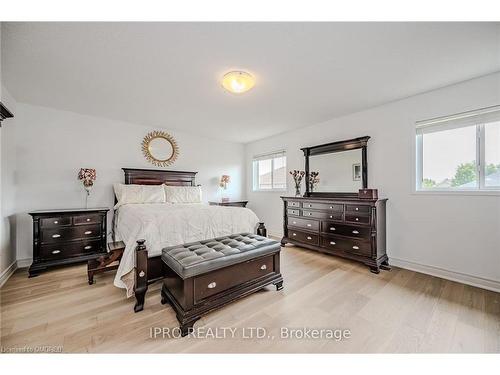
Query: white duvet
[(166, 224)]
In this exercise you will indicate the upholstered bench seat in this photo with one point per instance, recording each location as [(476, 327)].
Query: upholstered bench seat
[(209, 274), (196, 258)]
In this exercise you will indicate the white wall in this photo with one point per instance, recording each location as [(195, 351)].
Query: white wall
[(457, 233), (52, 145)]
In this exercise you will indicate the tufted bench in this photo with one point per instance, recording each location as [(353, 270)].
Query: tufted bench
[(212, 273)]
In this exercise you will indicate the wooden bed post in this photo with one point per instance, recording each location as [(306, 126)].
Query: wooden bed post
[(141, 275)]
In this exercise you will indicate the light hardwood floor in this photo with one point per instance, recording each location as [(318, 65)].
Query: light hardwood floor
[(396, 311)]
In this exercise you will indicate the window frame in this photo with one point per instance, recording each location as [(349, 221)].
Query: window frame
[(255, 171), (481, 188)]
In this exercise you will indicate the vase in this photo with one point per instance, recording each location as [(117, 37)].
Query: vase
[(297, 191)]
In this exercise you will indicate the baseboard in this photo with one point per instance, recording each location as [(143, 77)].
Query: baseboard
[(7, 273), (463, 278), (23, 263)]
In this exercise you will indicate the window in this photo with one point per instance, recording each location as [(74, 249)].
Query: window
[(459, 152), (269, 171)]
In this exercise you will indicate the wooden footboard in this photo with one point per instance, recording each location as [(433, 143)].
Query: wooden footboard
[(149, 270)]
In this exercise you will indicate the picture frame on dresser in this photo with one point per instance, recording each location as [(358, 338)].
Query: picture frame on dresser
[(338, 223)]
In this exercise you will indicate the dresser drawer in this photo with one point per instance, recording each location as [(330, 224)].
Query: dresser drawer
[(293, 204), (357, 209), (56, 222), (309, 238), (218, 281), (323, 215), (65, 250), (359, 247), (70, 233), (345, 230), (293, 212), (86, 219), (353, 218), (304, 223), (323, 206)]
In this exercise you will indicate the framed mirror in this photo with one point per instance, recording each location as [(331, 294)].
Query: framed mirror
[(337, 168), (160, 148)]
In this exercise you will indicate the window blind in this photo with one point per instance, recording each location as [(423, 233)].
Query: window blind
[(271, 155), (459, 120)]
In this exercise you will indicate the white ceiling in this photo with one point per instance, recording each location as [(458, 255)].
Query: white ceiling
[(167, 74)]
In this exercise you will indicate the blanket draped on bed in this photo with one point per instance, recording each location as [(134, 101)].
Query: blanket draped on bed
[(165, 224)]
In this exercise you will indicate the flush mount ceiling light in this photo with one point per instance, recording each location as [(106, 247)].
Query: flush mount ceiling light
[(238, 82)]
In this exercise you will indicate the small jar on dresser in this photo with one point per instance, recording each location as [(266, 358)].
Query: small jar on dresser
[(69, 236)]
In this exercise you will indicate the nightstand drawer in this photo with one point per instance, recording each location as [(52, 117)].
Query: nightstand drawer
[(56, 221), (70, 233), (65, 250), (86, 219)]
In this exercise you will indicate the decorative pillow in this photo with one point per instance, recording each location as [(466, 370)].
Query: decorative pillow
[(183, 194), (127, 194)]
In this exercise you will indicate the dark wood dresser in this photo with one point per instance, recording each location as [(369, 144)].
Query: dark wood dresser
[(348, 227), (67, 236), (230, 203)]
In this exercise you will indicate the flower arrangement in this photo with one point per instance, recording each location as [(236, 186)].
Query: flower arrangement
[(87, 176), (313, 180), (297, 178), (224, 180)]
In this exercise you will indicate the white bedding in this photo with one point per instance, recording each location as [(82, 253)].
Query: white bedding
[(166, 224)]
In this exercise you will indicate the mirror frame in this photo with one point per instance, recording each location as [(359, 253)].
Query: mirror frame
[(327, 148), (150, 157)]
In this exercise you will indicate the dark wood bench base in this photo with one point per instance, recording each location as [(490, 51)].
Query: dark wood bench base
[(196, 296), (103, 262)]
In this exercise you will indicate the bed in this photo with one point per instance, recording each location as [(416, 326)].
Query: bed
[(167, 224)]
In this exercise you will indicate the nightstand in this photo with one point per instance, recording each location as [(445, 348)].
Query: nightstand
[(63, 237), (230, 203)]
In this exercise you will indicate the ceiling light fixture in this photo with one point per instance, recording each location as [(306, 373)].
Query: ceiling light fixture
[(238, 82)]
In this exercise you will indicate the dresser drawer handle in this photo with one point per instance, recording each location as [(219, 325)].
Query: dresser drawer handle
[(56, 222), (294, 234), (309, 205), (88, 247), (355, 232), (309, 238), (355, 247), (309, 214), (332, 243), (56, 235), (309, 225), (212, 285), (357, 209), (88, 232), (357, 219), (263, 267), (331, 217), (331, 207), (332, 228), (56, 251), (294, 222), (88, 219)]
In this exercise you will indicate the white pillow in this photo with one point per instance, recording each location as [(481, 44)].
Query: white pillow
[(127, 194), (183, 194)]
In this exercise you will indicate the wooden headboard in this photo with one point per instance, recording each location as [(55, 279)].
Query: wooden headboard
[(158, 177)]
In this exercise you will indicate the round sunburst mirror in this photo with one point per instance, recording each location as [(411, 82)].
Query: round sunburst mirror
[(160, 148)]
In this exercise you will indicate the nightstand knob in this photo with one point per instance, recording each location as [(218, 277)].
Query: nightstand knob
[(56, 251)]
